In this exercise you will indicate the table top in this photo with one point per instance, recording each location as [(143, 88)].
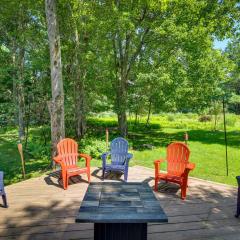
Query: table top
[(114, 202)]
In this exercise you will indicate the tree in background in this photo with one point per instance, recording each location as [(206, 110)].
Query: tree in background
[(233, 53), (56, 105), (22, 50), (136, 57)]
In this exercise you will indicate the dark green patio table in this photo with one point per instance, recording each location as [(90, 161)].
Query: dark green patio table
[(120, 211)]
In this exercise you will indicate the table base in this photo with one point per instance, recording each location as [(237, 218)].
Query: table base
[(120, 231)]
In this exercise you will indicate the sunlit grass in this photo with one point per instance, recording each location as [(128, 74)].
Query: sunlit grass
[(207, 145)]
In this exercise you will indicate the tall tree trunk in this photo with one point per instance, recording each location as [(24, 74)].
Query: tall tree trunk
[(121, 83), (14, 76), (136, 118), (56, 105), (123, 64), (122, 106), (149, 112), (79, 101), (122, 123), (18, 59), (20, 95), (28, 113), (80, 119), (215, 121)]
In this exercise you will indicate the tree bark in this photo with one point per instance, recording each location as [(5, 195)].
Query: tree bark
[(18, 78), (80, 119), (122, 106), (80, 103), (56, 105), (136, 118), (149, 112), (121, 63), (124, 60), (78, 72), (20, 96), (215, 121)]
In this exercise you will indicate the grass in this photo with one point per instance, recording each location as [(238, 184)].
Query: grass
[(207, 145), (207, 151), (10, 161)]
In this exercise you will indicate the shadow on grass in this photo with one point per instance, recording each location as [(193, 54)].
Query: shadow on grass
[(10, 163), (162, 139), (142, 137)]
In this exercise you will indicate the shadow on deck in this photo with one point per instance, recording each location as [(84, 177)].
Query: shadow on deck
[(40, 209)]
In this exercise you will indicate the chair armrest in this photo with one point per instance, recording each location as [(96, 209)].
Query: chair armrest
[(190, 166), (1, 181), (1, 176), (104, 155), (129, 156), (159, 161), (86, 157), (238, 180), (104, 158), (157, 166), (57, 159)]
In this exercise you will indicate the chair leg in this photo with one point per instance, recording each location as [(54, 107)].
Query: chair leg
[(4, 198), (89, 175), (156, 185), (238, 199), (238, 205), (183, 192), (103, 173), (125, 175), (65, 182), (238, 212)]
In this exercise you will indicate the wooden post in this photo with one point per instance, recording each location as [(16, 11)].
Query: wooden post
[(20, 149), (186, 138), (225, 135), (107, 136)]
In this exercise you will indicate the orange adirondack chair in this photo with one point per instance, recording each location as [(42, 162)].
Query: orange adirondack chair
[(67, 158), (178, 167)]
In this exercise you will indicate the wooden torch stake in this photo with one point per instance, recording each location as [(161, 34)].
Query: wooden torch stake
[(22, 159)]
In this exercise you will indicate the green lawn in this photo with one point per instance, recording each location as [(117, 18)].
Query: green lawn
[(207, 151), (207, 146), (10, 161)]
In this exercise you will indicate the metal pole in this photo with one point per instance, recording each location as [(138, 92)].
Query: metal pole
[(225, 134)]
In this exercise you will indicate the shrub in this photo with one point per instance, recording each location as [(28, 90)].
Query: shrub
[(93, 147), (180, 125), (205, 118), (38, 150), (170, 118)]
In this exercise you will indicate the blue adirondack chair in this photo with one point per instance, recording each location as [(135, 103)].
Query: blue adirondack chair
[(238, 198), (119, 157), (2, 192)]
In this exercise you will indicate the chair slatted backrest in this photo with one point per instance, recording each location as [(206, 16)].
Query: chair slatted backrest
[(1, 183), (177, 158), (68, 150), (119, 150)]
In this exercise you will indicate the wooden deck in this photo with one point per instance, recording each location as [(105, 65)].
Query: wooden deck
[(40, 209)]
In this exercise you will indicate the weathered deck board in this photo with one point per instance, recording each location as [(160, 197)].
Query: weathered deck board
[(40, 209)]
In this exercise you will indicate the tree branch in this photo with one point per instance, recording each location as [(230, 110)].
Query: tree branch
[(138, 50)]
